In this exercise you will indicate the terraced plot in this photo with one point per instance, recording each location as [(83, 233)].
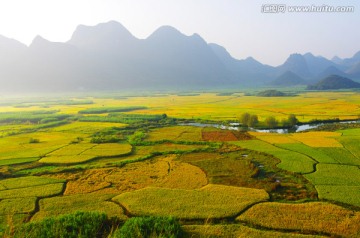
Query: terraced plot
[(340, 193), (337, 182), (19, 146), (176, 133), (318, 139), (290, 160), (167, 147), (161, 171), (81, 202), (239, 231), (352, 144), (86, 128), (36, 191), (316, 217), (82, 152), (315, 153), (211, 201), (18, 206), (342, 155), (28, 181)]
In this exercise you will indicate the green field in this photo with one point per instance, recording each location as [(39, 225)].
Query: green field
[(290, 160), (138, 156)]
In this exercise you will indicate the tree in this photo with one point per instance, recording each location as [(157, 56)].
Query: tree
[(271, 122), (253, 121), (292, 120), (245, 118)]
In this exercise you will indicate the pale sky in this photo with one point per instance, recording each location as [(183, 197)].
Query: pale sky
[(238, 25)]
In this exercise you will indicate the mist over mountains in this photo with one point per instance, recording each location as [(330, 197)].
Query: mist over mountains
[(108, 57)]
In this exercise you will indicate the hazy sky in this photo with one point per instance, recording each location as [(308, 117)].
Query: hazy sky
[(238, 25)]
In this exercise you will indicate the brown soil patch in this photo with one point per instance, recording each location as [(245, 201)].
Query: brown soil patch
[(218, 136)]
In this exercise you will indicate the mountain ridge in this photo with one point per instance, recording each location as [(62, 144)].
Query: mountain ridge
[(108, 57)]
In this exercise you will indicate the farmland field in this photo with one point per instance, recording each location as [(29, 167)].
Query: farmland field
[(166, 155)]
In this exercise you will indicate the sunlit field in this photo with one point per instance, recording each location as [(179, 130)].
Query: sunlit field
[(167, 156)]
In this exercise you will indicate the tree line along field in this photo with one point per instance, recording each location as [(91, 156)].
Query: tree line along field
[(137, 156)]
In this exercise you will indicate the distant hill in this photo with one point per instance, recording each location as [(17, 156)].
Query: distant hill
[(334, 82), (354, 71), (332, 70), (271, 93), (288, 79)]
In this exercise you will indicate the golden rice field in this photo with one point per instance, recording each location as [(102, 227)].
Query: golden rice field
[(55, 206), (307, 105), (211, 201), (239, 231), (311, 217), (218, 183)]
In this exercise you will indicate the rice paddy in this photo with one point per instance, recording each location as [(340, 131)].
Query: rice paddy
[(209, 202), (320, 218), (151, 162)]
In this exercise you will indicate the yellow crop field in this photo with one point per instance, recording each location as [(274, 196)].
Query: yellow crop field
[(72, 149), (307, 106), (35, 191), (211, 201), (28, 181), (163, 171), (81, 202), (86, 127), (274, 138), (310, 217), (166, 147), (18, 205), (318, 139), (238, 231), (108, 149), (82, 152), (66, 159), (18, 146), (250, 184)]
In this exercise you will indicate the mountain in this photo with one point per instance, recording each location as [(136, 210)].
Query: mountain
[(246, 72), (331, 70), (334, 82), (288, 79), (297, 64), (354, 71), (317, 64), (108, 57), (349, 62)]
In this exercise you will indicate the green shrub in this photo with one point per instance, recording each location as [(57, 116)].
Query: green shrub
[(144, 227), (79, 224)]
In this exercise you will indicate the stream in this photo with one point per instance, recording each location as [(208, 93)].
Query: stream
[(235, 126)]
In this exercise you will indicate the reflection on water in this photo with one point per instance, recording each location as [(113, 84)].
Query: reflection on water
[(235, 127)]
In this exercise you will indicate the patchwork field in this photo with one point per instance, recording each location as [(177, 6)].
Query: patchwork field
[(165, 155)]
